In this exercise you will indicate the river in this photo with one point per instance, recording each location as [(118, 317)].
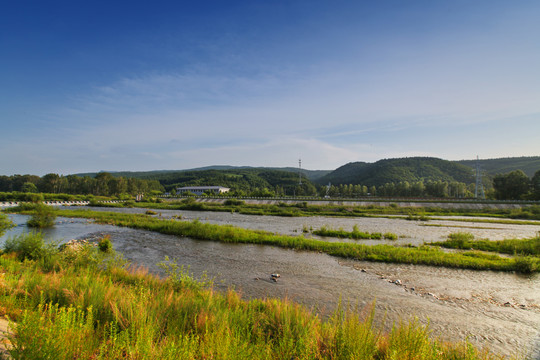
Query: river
[(500, 311)]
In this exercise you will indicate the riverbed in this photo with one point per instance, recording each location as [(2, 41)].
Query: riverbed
[(497, 310)]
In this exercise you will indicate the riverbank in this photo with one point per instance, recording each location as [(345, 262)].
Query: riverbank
[(87, 310)]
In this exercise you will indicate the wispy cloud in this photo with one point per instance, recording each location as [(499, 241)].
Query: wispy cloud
[(397, 83)]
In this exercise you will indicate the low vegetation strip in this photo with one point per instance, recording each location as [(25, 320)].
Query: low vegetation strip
[(303, 208), (90, 305), (466, 241), (382, 253), (354, 234)]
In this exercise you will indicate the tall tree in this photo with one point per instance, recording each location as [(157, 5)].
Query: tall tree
[(49, 183), (512, 186), (535, 184)]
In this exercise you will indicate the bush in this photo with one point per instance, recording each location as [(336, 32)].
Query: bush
[(460, 239), (29, 246), (5, 224), (525, 264), (390, 236), (44, 217), (129, 203), (189, 201), (105, 244)]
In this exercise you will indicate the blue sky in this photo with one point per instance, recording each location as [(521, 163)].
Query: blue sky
[(118, 85)]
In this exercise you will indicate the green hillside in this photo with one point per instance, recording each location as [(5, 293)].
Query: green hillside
[(158, 174), (285, 180), (398, 170), (528, 164), (246, 180)]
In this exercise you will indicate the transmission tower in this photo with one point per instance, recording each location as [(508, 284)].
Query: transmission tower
[(299, 171), (328, 191), (479, 188)]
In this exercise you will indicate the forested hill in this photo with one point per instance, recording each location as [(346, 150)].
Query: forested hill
[(397, 170), (158, 174), (528, 164), (261, 181)]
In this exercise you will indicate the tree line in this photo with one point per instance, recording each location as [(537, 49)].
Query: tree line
[(515, 185), (103, 184), (430, 188)]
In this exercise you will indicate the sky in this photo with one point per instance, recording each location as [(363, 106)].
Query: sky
[(134, 86)]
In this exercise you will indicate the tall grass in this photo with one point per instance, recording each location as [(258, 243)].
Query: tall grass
[(381, 253), (91, 312)]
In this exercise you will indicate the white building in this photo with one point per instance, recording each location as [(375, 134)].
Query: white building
[(199, 190)]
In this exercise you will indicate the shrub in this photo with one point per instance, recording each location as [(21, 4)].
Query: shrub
[(129, 203), (32, 247), (302, 205), (189, 201), (105, 244), (44, 216), (27, 246), (150, 212), (460, 239), (390, 236), (5, 224), (525, 264)]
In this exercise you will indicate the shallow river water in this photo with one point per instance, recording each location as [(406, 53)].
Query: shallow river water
[(498, 310)]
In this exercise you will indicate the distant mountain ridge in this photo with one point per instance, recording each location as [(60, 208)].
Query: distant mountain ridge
[(384, 171)]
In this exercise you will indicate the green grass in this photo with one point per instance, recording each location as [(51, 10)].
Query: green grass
[(380, 253), (526, 251), (102, 310), (467, 241), (354, 234)]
